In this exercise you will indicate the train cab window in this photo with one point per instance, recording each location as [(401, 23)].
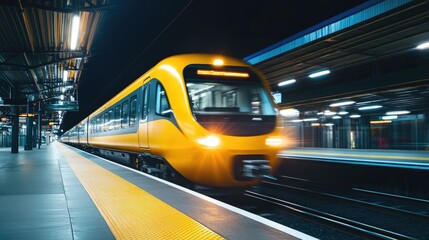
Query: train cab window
[(144, 105), (162, 106), (133, 111), (124, 117), (117, 117)]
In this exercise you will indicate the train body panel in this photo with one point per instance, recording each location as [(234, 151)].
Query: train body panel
[(215, 125)]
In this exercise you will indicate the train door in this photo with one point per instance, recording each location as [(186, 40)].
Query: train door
[(144, 117)]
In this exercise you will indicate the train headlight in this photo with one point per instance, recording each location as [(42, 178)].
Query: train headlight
[(274, 141), (210, 141)]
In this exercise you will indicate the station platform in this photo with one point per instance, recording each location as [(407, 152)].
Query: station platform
[(372, 157), (58, 192)]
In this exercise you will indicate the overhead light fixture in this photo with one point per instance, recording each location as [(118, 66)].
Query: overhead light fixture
[(370, 107), (287, 82), (339, 104), (423, 46), (65, 75), (290, 112), (336, 117), (318, 74), (355, 116), (297, 120), (398, 112), (343, 113), (329, 113), (329, 124), (74, 32), (310, 119), (389, 117)]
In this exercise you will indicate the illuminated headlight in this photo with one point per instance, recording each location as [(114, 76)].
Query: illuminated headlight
[(210, 141), (274, 141)]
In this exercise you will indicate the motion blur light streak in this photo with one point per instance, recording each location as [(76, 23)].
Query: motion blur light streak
[(370, 107), (339, 104), (389, 117), (398, 112), (287, 82), (319, 74), (423, 46)]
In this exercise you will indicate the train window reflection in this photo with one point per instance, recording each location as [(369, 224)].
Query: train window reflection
[(162, 105), (133, 110), (124, 117), (238, 97)]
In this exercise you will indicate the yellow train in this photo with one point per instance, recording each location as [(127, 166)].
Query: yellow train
[(206, 118)]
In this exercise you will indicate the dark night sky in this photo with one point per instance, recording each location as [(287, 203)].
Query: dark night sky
[(136, 34)]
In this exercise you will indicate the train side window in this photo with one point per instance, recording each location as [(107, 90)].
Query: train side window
[(117, 116), (162, 106), (144, 105), (133, 110), (124, 117), (111, 119), (106, 122)]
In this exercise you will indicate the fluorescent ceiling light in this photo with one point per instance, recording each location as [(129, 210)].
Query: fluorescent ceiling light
[(310, 119), (397, 112), (423, 46), (329, 124), (370, 107), (297, 120), (339, 104), (287, 82), (290, 112), (336, 117), (318, 74), (355, 116), (329, 113), (74, 32), (65, 75), (343, 113), (389, 117)]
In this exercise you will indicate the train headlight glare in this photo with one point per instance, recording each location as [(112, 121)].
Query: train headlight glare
[(210, 141), (274, 141)]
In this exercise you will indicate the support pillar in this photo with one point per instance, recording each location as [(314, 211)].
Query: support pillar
[(15, 129), (29, 133), (39, 123)]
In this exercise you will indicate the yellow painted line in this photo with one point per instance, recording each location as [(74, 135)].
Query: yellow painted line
[(357, 155), (130, 212)]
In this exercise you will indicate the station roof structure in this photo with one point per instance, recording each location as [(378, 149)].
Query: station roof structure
[(370, 51), (44, 46)]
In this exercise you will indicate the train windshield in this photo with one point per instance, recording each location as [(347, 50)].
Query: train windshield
[(235, 96)]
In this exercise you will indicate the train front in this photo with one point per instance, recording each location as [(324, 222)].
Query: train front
[(238, 138)]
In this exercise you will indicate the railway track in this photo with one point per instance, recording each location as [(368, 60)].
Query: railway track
[(341, 223), (329, 212)]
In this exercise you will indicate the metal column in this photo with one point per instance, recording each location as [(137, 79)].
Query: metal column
[(15, 129)]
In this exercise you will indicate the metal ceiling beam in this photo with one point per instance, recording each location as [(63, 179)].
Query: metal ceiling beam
[(27, 67), (91, 8), (33, 74)]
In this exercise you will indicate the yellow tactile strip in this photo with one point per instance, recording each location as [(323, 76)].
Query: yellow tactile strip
[(130, 212)]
